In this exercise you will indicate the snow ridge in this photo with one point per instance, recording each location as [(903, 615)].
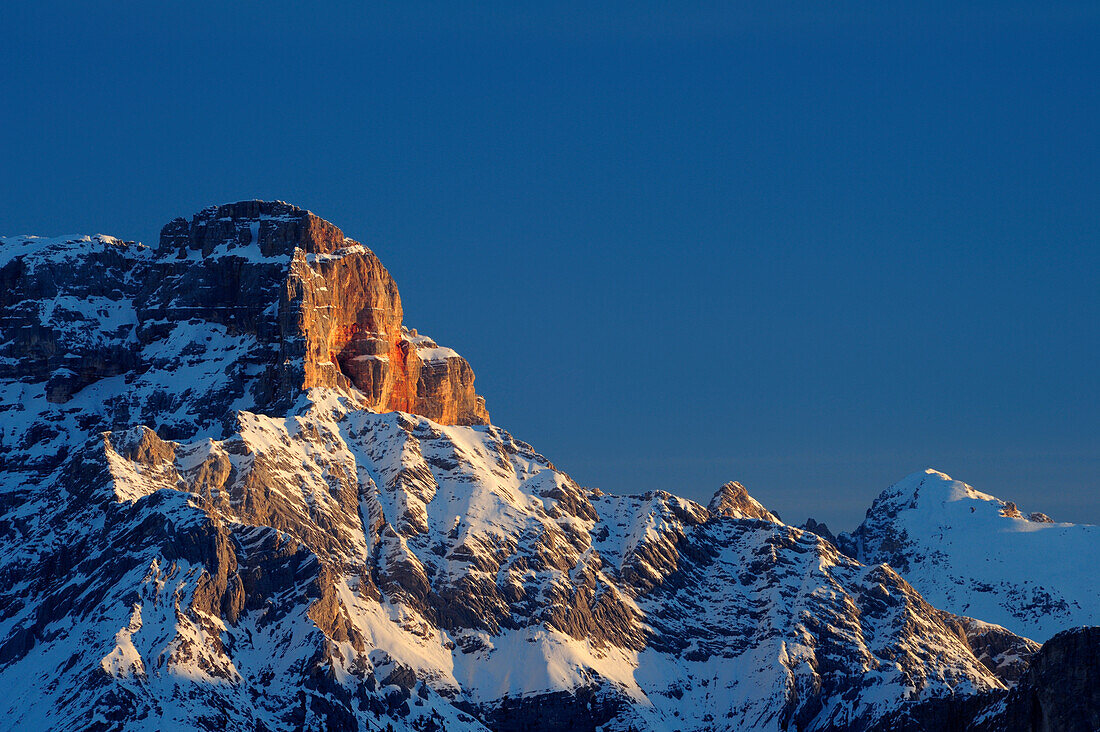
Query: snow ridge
[(974, 554)]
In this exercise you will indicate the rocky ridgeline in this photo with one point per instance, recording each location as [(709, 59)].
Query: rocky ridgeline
[(238, 494), (338, 567)]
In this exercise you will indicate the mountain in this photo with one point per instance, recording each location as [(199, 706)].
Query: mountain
[(244, 306), (1059, 691), (239, 493), (976, 555)]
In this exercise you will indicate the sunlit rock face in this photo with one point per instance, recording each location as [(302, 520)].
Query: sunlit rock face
[(267, 298), (339, 312)]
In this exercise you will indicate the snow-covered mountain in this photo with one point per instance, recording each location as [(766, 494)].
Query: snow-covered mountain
[(239, 493), (973, 554)]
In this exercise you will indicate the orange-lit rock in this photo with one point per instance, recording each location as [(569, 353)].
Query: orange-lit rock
[(339, 317), (350, 313)]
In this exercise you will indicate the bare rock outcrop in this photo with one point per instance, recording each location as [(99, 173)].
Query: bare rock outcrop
[(339, 316), (819, 527), (733, 501), (1061, 689)]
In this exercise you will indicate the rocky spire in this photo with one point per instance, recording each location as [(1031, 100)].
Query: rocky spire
[(734, 501)]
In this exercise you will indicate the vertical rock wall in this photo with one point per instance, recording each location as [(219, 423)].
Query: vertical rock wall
[(312, 307), (339, 314)]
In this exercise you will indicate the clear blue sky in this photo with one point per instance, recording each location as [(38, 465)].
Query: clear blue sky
[(809, 249)]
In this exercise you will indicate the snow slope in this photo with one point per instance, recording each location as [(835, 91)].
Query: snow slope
[(363, 551), (976, 555)]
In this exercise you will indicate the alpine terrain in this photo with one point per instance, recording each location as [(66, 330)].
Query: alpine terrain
[(978, 555), (239, 492)]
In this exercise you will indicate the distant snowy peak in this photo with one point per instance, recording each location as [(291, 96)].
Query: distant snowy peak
[(733, 500), (928, 487), (937, 496), (977, 555)]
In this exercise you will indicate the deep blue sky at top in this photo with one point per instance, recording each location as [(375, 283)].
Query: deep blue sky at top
[(809, 246)]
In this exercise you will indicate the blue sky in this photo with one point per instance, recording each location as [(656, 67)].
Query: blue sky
[(809, 249)]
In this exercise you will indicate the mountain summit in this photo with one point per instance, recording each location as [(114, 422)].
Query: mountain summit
[(978, 555), (237, 493), (339, 317), (734, 501), (248, 303)]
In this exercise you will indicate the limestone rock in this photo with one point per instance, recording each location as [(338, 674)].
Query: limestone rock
[(1061, 689), (339, 311)]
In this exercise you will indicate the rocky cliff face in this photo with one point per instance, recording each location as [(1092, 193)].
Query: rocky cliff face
[(1060, 692), (1061, 689), (280, 296), (238, 494), (339, 316)]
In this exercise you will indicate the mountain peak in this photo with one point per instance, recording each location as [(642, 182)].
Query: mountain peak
[(270, 228), (733, 500), (928, 476), (979, 555), (929, 486), (257, 301)]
